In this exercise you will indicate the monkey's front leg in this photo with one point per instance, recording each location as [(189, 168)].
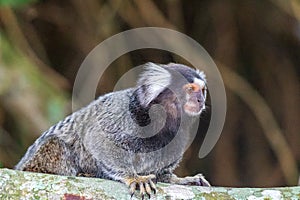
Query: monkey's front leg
[(143, 183), (188, 180)]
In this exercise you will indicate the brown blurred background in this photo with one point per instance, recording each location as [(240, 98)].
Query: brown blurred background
[(255, 44)]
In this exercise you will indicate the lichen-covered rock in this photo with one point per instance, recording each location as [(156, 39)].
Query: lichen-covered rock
[(27, 185)]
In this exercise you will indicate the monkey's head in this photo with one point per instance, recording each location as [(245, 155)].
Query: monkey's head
[(174, 84)]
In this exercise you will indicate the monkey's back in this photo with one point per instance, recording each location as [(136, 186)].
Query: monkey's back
[(100, 140)]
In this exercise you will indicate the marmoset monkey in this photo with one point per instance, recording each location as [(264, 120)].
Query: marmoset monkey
[(134, 136)]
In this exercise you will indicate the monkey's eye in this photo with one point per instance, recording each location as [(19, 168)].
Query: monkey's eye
[(191, 87)]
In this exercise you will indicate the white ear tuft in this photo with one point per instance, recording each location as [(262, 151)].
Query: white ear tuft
[(201, 74), (152, 82)]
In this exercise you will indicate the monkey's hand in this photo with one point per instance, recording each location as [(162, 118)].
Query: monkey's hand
[(190, 180), (143, 183)]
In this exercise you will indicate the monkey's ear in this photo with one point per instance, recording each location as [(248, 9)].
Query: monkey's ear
[(152, 82), (201, 74)]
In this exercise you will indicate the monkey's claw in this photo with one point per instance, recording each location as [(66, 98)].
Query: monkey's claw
[(143, 183)]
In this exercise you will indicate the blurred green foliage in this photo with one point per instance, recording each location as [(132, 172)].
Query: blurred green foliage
[(15, 3), (16, 64)]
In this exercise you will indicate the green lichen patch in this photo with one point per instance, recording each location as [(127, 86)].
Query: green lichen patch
[(215, 196)]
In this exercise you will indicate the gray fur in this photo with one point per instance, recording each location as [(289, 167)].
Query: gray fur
[(104, 139)]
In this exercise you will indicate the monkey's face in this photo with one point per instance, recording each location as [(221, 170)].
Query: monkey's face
[(195, 95), (172, 83)]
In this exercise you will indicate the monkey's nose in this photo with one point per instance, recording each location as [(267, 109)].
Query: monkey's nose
[(200, 99)]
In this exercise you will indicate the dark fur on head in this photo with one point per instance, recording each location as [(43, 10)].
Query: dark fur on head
[(156, 78)]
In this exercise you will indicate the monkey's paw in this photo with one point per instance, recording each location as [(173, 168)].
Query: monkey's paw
[(143, 183), (191, 180)]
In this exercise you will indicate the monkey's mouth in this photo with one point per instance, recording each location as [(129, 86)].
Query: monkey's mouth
[(193, 109)]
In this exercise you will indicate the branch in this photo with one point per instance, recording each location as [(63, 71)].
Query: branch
[(26, 185)]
